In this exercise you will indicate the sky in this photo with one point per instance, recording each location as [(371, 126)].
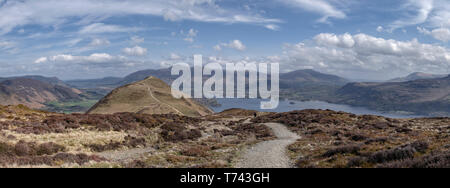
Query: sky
[(356, 39)]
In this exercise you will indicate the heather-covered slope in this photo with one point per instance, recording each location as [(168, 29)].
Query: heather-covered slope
[(30, 138), (34, 93), (341, 140)]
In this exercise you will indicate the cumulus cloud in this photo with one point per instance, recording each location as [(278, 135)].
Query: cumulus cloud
[(89, 66), (326, 8), (234, 44), (99, 42), (192, 33), (189, 35), (102, 60), (137, 39), (93, 58), (360, 54), (135, 51), (41, 60), (26, 12), (380, 29), (442, 34), (189, 39), (173, 59), (273, 27)]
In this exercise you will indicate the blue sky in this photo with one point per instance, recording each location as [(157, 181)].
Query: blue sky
[(96, 38)]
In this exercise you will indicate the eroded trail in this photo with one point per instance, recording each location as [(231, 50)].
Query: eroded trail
[(270, 154)]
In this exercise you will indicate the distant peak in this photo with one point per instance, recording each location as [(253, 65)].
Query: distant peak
[(420, 74)]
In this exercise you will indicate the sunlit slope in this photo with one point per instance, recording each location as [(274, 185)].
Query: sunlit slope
[(149, 96)]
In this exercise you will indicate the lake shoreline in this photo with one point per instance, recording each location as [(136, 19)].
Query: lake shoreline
[(292, 105)]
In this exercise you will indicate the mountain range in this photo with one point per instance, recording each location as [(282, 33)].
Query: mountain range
[(422, 96), (35, 93), (418, 93), (418, 76)]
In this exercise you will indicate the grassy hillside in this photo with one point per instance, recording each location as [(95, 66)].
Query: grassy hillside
[(149, 96)]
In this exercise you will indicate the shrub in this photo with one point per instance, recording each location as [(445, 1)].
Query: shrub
[(356, 137), (260, 131), (134, 142), (196, 151), (420, 146), (434, 160), (137, 164), (353, 149), (377, 140), (175, 133), (49, 149), (22, 149), (393, 155), (356, 162), (5, 149)]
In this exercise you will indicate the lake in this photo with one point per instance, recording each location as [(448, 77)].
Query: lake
[(288, 105)]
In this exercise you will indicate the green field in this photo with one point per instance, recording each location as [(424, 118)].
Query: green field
[(70, 106)]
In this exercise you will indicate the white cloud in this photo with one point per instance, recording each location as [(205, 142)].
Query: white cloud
[(218, 47), (97, 28), (326, 8), (442, 34), (363, 55), (174, 56), (273, 27), (440, 16), (41, 60), (189, 39), (90, 66), (190, 35), (8, 46), (417, 12), (432, 16), (235, 44), (380, 29), (137, 39), (99, 42), (56, 12), (96, 58), (135, 51)]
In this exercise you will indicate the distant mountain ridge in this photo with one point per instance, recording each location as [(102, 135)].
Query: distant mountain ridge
[(418, 76), (299, 76), (298, 85), (424, 94), (34, 93), (49, 80), (419, 96), (308, 75), (95, 83)]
